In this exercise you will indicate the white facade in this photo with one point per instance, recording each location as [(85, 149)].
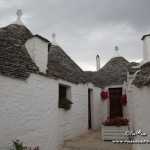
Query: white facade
[(29, 112), (141, 112)]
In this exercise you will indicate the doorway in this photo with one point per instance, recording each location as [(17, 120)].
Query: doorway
[(115, 105), (89, 109)]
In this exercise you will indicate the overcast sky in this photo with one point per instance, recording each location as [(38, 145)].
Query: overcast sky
[(85, 28)]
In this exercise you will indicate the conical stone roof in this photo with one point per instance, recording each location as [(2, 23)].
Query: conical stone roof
[(14, 58), (60, 65), (143, 76), (114, 72)]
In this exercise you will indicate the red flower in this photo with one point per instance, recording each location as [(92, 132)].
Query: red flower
[(104, 95), (119, 121), (123, 99)]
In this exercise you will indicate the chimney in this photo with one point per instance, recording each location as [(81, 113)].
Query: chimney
[(146, 48), (97, 62)]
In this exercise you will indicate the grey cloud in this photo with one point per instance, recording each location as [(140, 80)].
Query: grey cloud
[(86, 28)]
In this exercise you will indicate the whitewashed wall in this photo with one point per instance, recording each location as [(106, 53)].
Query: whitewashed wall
[(141, 111), (130, 112), (129, 109), (105, 109), (38, 50), (95, 106), (29, 112)]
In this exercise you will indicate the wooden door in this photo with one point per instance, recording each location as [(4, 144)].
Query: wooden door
[(115, 105)]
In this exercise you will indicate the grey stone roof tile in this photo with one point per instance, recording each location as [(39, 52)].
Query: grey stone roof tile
[(14, 58), (114, 72), (131, 68), (90, 75), (16, 62), (60, 65), (41, 37), (143, 76)]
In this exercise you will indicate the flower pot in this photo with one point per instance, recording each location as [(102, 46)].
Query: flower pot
[(114, 133)]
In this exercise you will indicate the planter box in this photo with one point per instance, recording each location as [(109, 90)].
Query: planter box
[(114, 133)]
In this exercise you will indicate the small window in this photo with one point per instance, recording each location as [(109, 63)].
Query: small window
[(62, 92), (64, 97)]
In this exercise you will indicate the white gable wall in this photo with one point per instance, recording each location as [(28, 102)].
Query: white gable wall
[(30, 46), (36, 47), (29, 112)]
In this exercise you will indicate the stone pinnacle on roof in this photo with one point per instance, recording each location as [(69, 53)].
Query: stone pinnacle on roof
[(18, 20), (117, 53), (53, 39)]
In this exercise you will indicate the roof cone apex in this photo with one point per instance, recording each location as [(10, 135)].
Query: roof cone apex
[(53, 39), (18, 20), (117, 52)]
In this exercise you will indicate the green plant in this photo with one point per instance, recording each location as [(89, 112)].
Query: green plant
[(17, 145), (64, 103), (118, 121)]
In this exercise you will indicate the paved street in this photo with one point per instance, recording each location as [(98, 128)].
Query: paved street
[(93, 141)]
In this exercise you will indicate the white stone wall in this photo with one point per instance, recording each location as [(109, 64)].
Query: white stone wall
[(105, 109), (95, 106), (129, 106), (129, 109), (29, 112), (36, 47), (141, 112)]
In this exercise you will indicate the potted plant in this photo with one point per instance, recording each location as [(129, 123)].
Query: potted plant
[(65, 103), (115, 128), (17, 145)]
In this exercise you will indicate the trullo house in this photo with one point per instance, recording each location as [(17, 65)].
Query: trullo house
[(46, 98)]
